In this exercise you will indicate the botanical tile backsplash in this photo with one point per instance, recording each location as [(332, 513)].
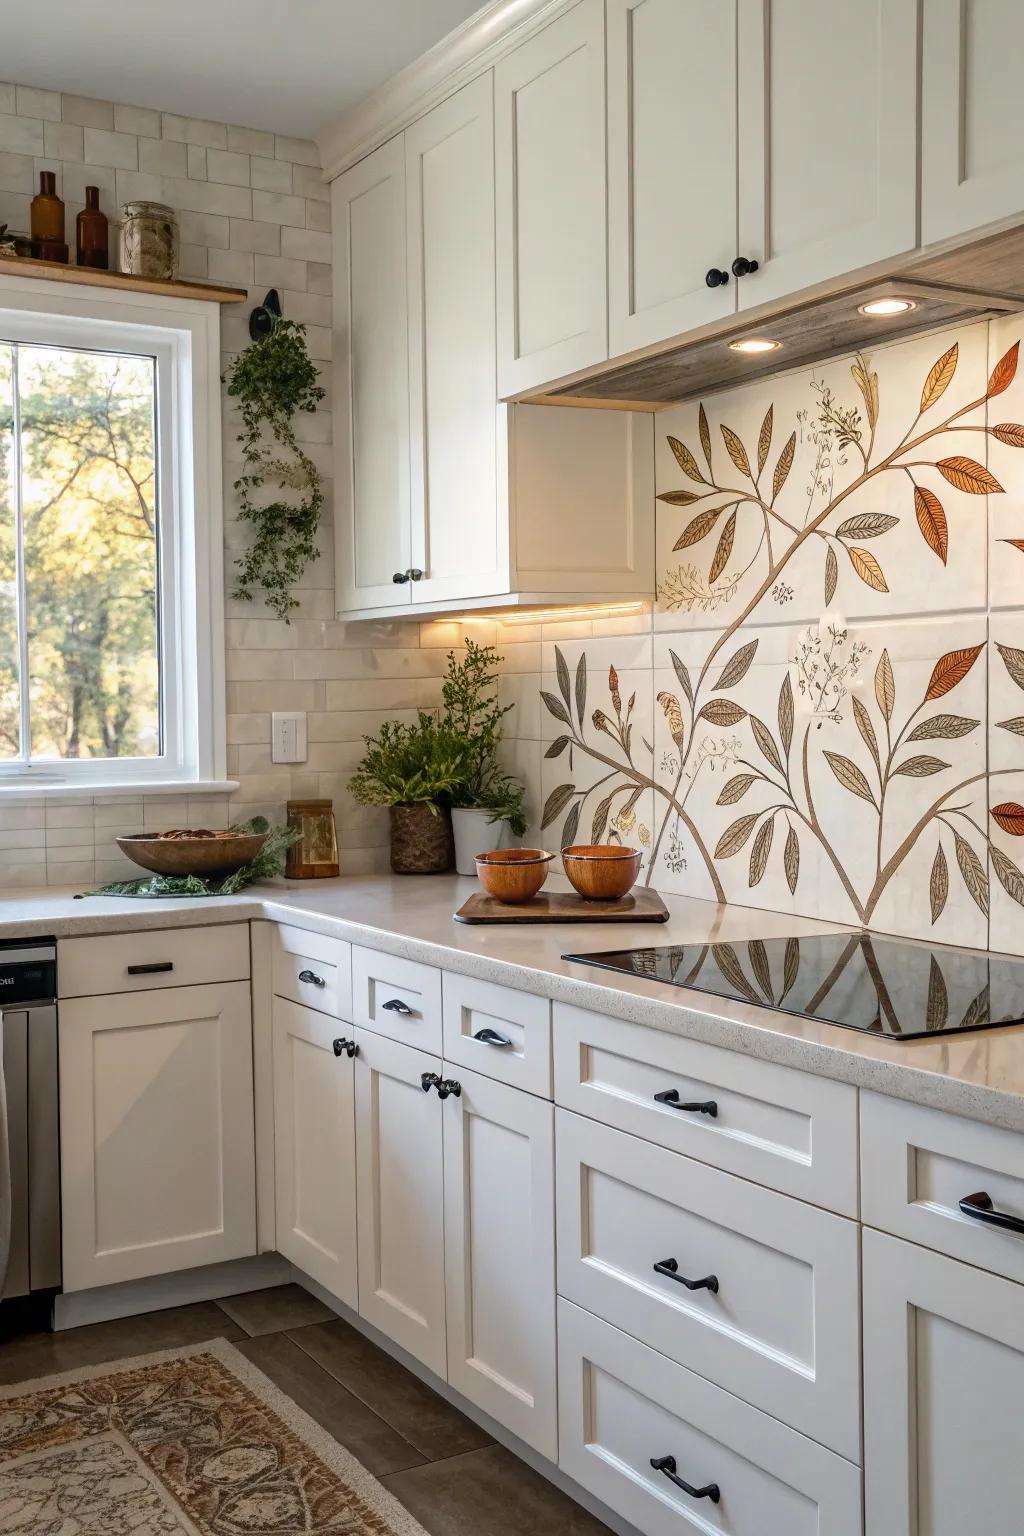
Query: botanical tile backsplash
[(825, 712)]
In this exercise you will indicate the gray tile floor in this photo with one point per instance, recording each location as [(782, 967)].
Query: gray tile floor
[(447, 1471)]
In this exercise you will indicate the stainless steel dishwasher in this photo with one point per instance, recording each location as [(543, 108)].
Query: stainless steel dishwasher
[(29, 1127)]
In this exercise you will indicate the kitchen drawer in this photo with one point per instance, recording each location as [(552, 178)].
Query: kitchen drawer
[(397, 998), (622, 1406), (787, 1129), (918, 1164), (314, 970), (781, 1330), (162, 957), (498, 1032)]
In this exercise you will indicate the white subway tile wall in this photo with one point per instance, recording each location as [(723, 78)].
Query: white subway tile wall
[(254, 212)]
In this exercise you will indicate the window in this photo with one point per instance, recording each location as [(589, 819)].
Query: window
[(111, 669)]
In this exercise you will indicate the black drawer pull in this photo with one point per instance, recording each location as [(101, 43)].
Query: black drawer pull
[(981, 1208), (491, 1037), (348, 1047), (667, 1464), (670, 1097), (151, 970), (395, 1005), (447, 1086), (429, 1080), (670, 1269), (312, 979)]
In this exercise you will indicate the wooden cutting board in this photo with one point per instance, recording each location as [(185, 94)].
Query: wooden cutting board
[(640, 906)]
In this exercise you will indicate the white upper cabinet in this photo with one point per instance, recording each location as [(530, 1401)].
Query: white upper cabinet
[(549, 99), (972, 147), (827, 139), (459, 509), (371, 371), (671, 166)]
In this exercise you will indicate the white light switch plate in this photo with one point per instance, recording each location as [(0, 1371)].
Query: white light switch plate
[(288, 737)]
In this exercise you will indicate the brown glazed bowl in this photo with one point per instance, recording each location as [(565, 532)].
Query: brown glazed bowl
[(513, 874), (601, 871), (220, 855)]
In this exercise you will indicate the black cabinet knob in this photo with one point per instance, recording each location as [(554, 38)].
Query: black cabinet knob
[(429, 1080), (742, 267), (345, 1047), (400, 578), (312, 979), (396, 1005), (447, 1086), (414, 573), (716, 277)]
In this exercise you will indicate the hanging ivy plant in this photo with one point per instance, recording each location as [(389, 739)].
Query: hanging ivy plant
[(272, 380)]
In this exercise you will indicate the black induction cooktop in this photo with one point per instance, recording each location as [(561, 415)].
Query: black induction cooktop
[(858, 980)]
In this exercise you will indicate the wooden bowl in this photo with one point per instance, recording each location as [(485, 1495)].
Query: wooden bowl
[(220, 855), (601, 871), (513, 874)]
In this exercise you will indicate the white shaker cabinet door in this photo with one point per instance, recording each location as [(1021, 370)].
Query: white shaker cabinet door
[(943, 1386), (315, 1146), (459, 500), (400, 1197), (827, 139), (371, 382), (972, 107), (158, 1167), (671, 167), (499, 1212), (549, 109)]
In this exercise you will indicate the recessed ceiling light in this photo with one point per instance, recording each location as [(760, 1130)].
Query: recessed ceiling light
[(755, 344), (882, 307)]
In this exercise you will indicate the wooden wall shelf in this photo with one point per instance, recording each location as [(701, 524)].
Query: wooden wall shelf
[(91, 277)]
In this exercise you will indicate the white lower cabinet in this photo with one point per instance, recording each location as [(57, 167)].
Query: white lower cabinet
[(757, 1292), (943, 1386), (500, 1254), (156, 1126), (314, 1146), (400, 1197), (672, 1452)]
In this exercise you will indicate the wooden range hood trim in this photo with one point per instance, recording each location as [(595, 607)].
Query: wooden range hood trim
[(957, 283)]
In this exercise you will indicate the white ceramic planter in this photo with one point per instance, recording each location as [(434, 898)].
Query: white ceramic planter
[(476, 833)]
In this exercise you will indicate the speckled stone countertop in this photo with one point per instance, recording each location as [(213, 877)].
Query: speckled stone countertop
[(979, 1075)]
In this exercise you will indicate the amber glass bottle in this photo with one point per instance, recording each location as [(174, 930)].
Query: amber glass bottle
[(91, 233), (48, 221)]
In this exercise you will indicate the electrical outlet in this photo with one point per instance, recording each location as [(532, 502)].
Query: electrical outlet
[(288, 737)]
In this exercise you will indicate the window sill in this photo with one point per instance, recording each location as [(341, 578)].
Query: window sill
[(48, 790)]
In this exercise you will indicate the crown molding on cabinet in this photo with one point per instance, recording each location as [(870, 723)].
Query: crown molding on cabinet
[(465, 53)]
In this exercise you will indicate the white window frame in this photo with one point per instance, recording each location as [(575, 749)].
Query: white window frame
[(183, 336)]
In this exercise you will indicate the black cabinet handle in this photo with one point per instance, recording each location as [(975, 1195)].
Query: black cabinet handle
[(151, 970), (667, 1465), (312, 979), (395, 1005), (670, 1269), (400, 578), (348, 1047), (447, 1086), (414, 573), (429, 1080), (980, 1207), (741, 267), (716, 278), (491, 1037), (670, 1098)]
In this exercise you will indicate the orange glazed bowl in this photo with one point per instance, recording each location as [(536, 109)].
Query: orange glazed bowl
[(601, 871), (513, 874)]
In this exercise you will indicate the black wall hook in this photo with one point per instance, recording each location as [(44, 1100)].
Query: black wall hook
[(265, 316)]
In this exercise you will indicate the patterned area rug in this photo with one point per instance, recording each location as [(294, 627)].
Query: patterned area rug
[(192, 1442)]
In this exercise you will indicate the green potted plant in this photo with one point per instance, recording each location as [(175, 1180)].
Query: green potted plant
[(414, 770), (487, 804)]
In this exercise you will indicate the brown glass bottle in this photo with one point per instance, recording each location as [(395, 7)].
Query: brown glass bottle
[(91, 233), (47, 214)]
